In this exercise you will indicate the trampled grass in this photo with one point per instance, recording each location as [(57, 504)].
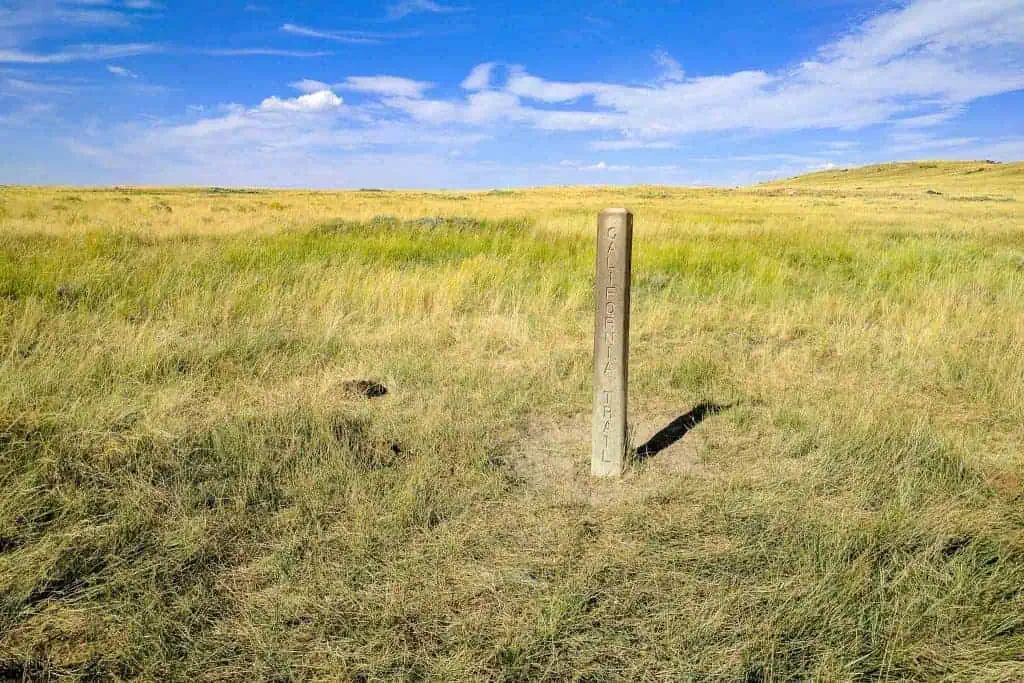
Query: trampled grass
[(187, 491)]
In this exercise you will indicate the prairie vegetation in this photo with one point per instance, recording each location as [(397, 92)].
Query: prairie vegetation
[(189, 489)]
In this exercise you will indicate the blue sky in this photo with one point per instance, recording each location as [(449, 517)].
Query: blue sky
[(480, 93)]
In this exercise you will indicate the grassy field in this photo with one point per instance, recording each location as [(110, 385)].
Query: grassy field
[(189, 491)]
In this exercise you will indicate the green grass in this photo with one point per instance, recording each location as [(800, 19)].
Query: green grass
[(188, 492)]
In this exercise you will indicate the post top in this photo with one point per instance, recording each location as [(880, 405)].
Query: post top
[(617, 211)]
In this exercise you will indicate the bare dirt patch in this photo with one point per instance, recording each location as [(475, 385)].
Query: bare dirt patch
[(554, 458)]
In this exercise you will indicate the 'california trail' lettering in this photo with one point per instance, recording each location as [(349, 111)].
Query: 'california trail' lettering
[(611, 340)]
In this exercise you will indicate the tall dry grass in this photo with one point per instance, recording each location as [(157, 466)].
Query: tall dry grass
[(187, 491)]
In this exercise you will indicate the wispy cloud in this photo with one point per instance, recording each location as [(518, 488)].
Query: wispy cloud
[(33, 14), (605, 167), (628, 144), (389, 86), (404, 8), (480, 77), (261, 52), (23, 21), (79, 53), (22, 87), (308, 85), (99, 53), (934, 119), (904, 143), (351, 37), (26, 115), (121, 71), (671, 70)]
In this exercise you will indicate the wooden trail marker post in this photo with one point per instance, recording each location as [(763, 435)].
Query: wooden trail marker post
[(611, 341)]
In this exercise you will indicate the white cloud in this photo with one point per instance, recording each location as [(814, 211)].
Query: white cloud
[(79, 53), (121, 71), (931, 26), (308, 85), (524, 85), (18, 86), (404, 8), (24, 21), (480, 77), (479, 108), (391, 86), (803, 159), (671, 70), (605, 167), (928, 120), (599, 166), (488, 106), (27, 14), (321, 101), (312, 140), (263, 52), (97, 53), (351, 37), (25, 116), (903, 143), (433, 112), (620, 145)]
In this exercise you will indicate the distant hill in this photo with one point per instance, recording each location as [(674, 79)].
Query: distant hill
[(947, 177)]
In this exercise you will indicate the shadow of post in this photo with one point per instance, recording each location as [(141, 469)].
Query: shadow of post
[(677, 429)]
